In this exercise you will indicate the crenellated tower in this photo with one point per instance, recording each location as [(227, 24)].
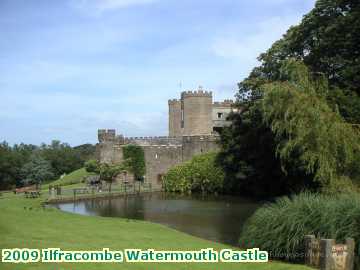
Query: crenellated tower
[(196, 109)]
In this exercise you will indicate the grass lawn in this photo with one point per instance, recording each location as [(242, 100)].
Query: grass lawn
[(24, 223), (72, 178)]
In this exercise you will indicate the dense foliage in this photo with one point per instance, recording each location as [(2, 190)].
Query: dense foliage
[(52, 160), (200, 174), (135, 159), (92, 166), (260, 151), (309, 134), (280, 227), (36, 170), (109, 172)]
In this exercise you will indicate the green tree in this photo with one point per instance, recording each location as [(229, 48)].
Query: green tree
[(309, 134), (11, 161), (85, 151), (108, 172), (37, 170), (134, 160), (63, 158), (327, 42)]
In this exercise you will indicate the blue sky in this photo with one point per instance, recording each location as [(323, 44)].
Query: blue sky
[(70, 67)]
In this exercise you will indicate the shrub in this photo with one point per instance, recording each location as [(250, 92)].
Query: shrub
[(280, 227), (200, 174), (92, 165)]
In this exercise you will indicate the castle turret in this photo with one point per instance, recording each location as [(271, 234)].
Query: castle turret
[(106, 135), (174, 118), (196, 112)]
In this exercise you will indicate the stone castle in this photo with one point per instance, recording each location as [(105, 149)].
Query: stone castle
[(194, 123)]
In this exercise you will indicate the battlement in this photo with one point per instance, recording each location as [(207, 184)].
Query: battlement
[(196, 138), (106, 135), (110, 136), (225, 103), (153, 140), (198, 93), (173, 101)]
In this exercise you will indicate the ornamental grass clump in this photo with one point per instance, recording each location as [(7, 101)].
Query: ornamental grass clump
[(280, 227)]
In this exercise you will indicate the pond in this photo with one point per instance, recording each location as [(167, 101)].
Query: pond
[(217, 218)]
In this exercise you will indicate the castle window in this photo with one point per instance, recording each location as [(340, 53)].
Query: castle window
[(219, 115), (156, 156)]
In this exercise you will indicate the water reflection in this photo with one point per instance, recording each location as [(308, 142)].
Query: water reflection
[(215, 218)]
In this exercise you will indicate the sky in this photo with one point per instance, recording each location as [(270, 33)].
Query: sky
[(71, 67)]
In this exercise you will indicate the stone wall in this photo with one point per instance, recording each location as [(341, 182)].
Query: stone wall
[(161, 157), (109, 152), (326, 254), (158, 160), (175, 118), (196, 145), (161, 140), (197, 113)]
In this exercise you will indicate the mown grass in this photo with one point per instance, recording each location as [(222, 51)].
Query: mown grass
[(280, 227), (24, 223)]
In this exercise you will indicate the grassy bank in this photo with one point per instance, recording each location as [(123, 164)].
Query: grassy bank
[(24, 223), (75, 177)]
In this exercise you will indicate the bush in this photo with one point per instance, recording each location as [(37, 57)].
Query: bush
[(92, 165), (280, 227), (200, 174)]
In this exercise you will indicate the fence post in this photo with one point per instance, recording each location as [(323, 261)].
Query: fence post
[(326, 253), (311, 250), (350, 244)]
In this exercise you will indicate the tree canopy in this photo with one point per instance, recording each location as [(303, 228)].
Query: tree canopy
[(296, 130), (62, 159)]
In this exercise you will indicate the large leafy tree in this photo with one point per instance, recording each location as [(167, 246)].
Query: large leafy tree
[(309, 133), (63, 158), (327, 41), (37, 170)]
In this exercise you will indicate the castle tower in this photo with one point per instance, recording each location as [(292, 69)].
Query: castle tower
[(174, 118), (196, 112)]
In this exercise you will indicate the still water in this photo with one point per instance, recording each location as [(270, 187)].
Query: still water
[(214, 218)]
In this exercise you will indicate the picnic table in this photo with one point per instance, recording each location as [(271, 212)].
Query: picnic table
[(32, 194)]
